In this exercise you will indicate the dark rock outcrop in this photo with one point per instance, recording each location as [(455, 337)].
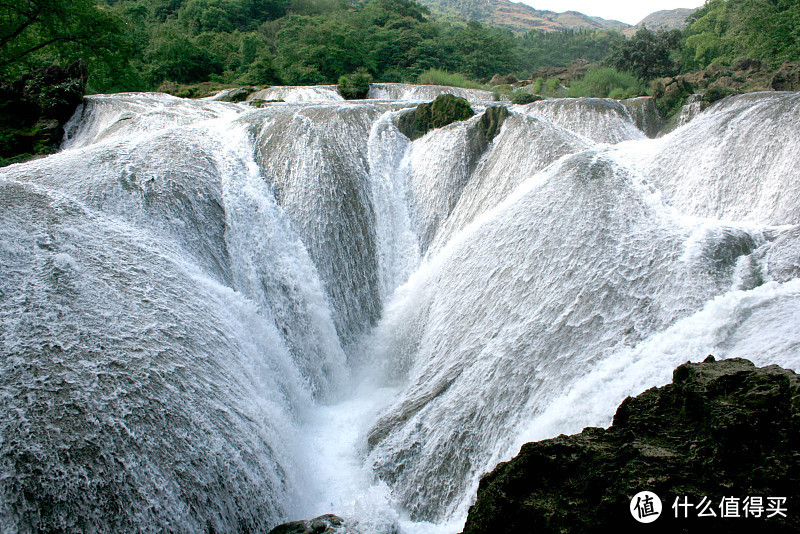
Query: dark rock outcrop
[(721, 430), (446, 109), (324, 524), (35, 107), (787, 78)]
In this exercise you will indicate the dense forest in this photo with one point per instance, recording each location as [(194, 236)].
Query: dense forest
[(139, 44)]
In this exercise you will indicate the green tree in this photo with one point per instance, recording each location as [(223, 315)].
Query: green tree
[(647, 54), (724, 30), (172, 55), (355, 85), (537, 49), (34, 33), (317, 49), (479, 51)]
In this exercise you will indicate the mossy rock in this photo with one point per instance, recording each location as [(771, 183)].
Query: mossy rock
[(524, 97), (492, 120), (446, 109)]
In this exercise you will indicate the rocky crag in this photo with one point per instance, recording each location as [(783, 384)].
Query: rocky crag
[(722, 439)]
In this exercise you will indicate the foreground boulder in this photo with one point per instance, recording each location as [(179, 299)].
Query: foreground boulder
[(719, 446)]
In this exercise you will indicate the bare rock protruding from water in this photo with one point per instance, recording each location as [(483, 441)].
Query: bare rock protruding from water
[(722, 439), (324, 524)]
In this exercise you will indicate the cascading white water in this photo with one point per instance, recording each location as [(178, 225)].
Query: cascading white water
[(316, 93), (710, 167), (425, 93), (221, 317)]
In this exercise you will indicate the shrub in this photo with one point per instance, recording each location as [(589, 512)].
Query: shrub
[(355, 85), (604, 81), (671, 98), (552, 84)]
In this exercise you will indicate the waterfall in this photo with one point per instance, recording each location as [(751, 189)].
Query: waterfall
[(216, 316), (425, 93), (317, 93)]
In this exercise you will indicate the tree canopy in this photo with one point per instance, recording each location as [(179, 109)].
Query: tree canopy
[(139, 44), (647, 54), (36, 32), (724, 30)]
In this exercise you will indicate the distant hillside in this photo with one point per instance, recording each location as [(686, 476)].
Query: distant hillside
[(668, 19), (519, 17)]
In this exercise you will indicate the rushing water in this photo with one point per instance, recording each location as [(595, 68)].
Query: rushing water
[(221, 317)]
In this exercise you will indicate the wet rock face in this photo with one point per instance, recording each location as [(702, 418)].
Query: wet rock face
[(722, 431), (645, 115)]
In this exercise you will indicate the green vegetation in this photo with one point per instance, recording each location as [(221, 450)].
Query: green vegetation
[(355, 85), (647, 54), (140, 44), (35, 34), (524, 97), (725, 30), (608, 82), (177, 44), (669, 100), (444, 110), (440, 77), (34, 108), (557, 49)]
